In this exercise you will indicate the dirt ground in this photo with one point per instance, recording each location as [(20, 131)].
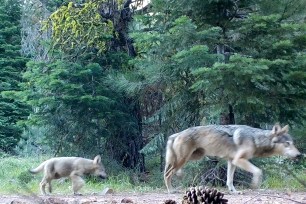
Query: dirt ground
[(248, 197)]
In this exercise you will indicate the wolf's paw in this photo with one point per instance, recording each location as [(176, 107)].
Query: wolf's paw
[(173, 191), (77, 194), (45, 194), (235, 192), (255, 182), (254, 185)]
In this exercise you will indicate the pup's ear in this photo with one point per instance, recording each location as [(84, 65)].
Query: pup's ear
[(275, 130), (97, 159)]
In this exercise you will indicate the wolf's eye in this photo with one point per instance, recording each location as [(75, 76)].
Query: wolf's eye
[(286, 144)]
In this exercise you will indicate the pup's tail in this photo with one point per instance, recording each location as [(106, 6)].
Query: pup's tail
[(38, 169)]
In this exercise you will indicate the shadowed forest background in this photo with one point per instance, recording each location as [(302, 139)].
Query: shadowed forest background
[(117, 77)]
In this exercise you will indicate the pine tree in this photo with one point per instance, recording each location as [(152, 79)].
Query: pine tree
[(12, 64), (265, 54), (255, 53)]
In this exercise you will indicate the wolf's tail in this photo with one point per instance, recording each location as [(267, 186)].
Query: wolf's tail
[(38, 169)]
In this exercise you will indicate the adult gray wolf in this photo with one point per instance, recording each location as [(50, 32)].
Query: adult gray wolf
[(235, 143), (73, 167)]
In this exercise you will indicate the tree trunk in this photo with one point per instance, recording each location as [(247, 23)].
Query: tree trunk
[(122, 42), (226, 118)]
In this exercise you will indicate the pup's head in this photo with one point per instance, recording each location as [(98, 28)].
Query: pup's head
[(99, 169), (283, 143)]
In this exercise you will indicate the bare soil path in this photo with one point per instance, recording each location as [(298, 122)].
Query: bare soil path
[(248, 197)]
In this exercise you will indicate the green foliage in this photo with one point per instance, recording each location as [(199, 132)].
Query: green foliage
[(288, 9), (203, 61), (62, 94), (33, 141), (281, 174), (156, 145), (12, 64), (14, 173), (80, 28), (264, 71), (170, 56)]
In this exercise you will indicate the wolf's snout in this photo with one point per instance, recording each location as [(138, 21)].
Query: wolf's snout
[(295, 155), (292, 152), (103, 176), (299, 156)]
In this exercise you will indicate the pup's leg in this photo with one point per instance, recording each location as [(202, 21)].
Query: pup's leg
[(50, 187), (43, 184), (230, 176), (77, 183)]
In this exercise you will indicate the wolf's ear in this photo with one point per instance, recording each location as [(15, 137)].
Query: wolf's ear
[(276, 128), (97, 159), (284, 130)]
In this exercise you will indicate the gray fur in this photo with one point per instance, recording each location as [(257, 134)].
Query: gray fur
[(235, 143)]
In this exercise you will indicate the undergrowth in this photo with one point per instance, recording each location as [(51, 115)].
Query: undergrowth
[(15, 178)]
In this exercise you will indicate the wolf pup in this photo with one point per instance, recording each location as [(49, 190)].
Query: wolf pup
[(235, 143), (73, 167)]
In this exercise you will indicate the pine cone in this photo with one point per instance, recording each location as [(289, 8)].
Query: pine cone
[(170, 202), (200, 195)]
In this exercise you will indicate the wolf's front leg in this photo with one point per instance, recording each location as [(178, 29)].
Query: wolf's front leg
[(248, 166), (257, 178)]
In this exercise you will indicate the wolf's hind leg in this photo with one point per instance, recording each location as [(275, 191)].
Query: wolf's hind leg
[(230, 176), (169, 172)]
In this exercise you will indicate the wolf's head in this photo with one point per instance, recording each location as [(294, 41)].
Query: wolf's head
[(283, 143), (99, 169)]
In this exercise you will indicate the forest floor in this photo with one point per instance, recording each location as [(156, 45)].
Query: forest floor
[(247, 197)]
